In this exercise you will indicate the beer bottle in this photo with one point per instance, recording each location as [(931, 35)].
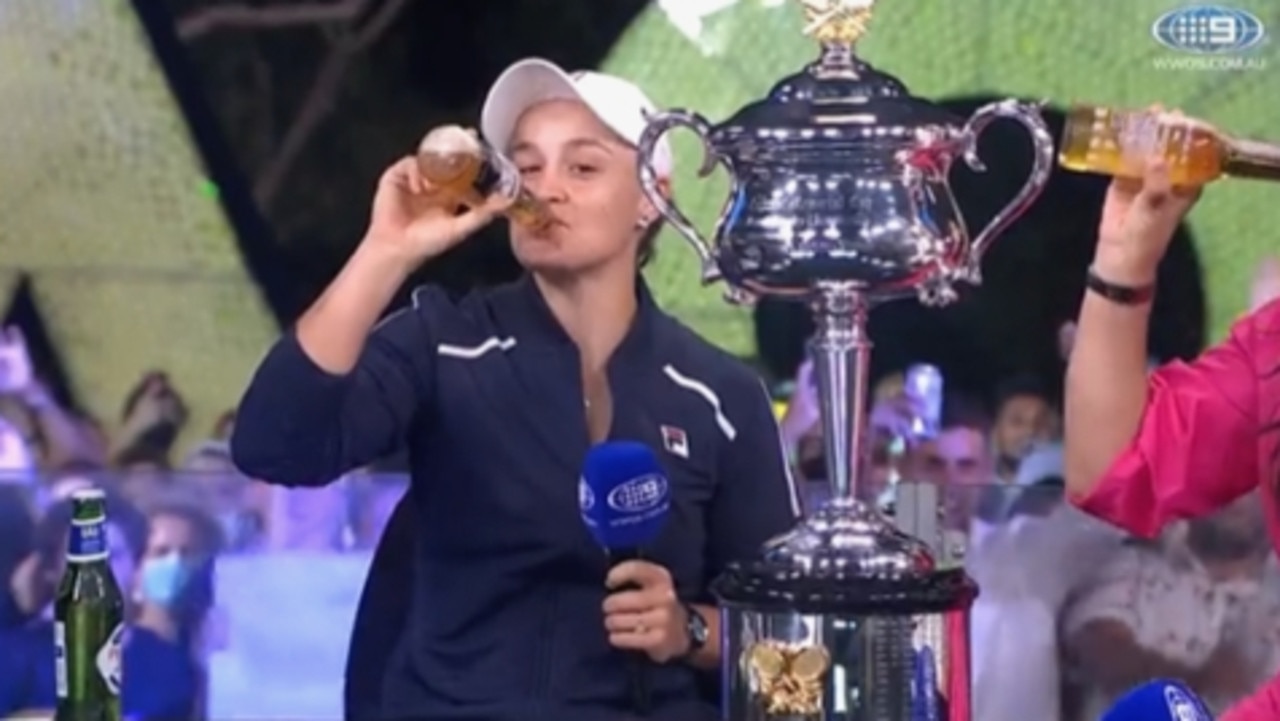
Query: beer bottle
[(88, 617), (1118, 142), (465, 171)]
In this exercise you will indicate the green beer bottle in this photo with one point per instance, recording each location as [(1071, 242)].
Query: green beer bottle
[(88, 619)]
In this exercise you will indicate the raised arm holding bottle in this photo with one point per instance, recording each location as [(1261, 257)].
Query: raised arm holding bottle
[(1143, 451)]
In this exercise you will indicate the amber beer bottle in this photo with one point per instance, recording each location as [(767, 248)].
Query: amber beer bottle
[(88, 624), (1118, 142), (465, 171)]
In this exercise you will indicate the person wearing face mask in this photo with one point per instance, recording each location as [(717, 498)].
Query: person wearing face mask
[(160, 680), (501, 394), (174, 591)]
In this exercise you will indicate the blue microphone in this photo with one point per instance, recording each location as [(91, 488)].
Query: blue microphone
[(624, 498), (1161, 700)]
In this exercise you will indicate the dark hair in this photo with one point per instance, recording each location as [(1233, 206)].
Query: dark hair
[(960, 410), (1019, 386), (142, 452), (648, 243), (209, 536), (197, 596), (51, 531)]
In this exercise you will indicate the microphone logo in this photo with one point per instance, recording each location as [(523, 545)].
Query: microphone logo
[(586, 499), (638, 495), (1182, 707)]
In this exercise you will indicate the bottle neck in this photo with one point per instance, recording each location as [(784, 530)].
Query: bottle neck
[(87, 542), (1251, 159)]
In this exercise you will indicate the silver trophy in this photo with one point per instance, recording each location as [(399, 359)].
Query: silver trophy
[(839, 198)]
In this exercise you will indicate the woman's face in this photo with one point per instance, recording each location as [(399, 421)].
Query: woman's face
[(1024, 421), (587, 175), (172, 534)]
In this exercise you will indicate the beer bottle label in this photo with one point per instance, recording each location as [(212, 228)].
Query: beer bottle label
[(60, 658), (109, 660), (88, 541)]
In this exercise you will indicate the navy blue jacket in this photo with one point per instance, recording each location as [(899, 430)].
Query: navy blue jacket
[(486, 393)]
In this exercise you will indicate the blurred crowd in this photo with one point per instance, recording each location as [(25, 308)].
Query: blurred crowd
[(1071, 613), (172, 513)]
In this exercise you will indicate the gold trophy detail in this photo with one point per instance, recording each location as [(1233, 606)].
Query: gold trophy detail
[(838, 22), (788, 676)]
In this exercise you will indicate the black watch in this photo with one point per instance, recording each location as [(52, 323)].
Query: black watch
[(1116, 293), (696, 627)]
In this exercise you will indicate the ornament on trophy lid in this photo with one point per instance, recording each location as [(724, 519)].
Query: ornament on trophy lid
[(837, 22)]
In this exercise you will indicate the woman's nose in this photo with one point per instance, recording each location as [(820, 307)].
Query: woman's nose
[(546, 186)]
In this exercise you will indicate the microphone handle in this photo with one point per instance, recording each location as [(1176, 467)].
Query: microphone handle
[(638, 681), (638, 684)]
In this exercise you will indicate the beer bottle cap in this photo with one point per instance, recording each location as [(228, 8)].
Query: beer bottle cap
[(88, 494)]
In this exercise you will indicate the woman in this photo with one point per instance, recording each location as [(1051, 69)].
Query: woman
[(499, 396), (1193, 437), (174, 591)]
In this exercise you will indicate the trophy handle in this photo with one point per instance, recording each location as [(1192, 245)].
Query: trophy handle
[(659, 124), (1028, 114)]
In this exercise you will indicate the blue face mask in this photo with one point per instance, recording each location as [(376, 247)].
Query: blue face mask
[(164, 578)]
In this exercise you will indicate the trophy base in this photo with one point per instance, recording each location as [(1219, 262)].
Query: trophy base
[(846, 558), (845, 618), (826, 667)]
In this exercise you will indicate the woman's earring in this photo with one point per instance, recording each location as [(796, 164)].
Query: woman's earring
[(643, 223)]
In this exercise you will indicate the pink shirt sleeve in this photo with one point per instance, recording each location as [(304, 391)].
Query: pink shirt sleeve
[(1264, 705), (1197, 447)]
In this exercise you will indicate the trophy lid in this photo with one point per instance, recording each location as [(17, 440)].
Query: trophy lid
[(845, 559), (838, 89)]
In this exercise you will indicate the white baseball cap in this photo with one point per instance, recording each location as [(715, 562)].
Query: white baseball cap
[(620, 104)]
